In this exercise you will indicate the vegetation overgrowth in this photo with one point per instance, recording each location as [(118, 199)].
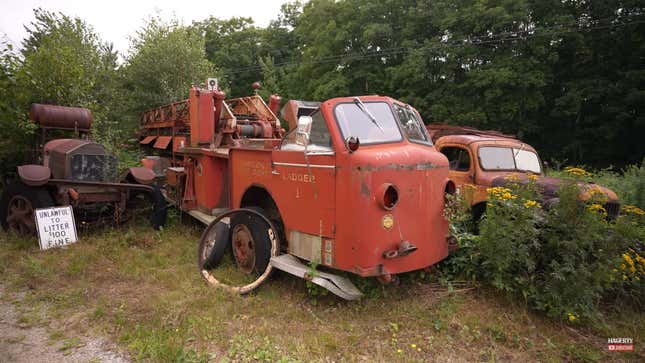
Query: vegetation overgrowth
[(566, 259), (566, 76), (142, 288)]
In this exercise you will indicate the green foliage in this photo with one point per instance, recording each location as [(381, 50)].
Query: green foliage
[(565, 76), (62, 62), (628, 183), (164, 61), (566, 260), (160, 344), (231, 45)]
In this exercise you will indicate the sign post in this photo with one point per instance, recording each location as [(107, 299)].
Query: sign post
[(56, 227)]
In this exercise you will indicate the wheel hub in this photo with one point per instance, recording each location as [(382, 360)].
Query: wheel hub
[(243, 248), (20, 216)]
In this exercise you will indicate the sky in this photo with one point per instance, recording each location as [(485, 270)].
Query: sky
[(115, 20)]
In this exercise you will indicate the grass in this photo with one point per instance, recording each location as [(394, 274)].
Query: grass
[(142, 289)]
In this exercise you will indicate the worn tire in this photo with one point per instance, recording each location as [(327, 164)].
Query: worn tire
[(212, 248), (35, 197), (159, 210), (261, 242), (478, 212)]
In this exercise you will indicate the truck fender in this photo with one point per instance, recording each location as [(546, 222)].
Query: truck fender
[(146, 176), (34, 175), (141, 175)]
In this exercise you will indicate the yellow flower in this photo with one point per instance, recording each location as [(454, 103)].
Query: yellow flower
[(632, 209), (531, 203), (513, 177), (399, 351), (571, 317), (576, 171), (624, 277), (622, 266), (413, 345), (533, 177), (597, 208)]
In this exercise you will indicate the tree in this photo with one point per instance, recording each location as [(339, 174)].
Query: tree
[(594, 112), (165, 60), (233, 45), (62, 62)]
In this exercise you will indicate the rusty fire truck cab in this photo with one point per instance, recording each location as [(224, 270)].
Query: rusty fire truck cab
[(356, 186)]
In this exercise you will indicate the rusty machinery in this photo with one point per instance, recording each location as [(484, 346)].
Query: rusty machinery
[(73, 171), (356, 185)]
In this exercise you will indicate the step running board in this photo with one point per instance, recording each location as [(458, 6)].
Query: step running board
[(338, 285)]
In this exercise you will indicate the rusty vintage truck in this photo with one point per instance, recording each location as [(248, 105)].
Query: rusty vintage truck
[(482, 159), (345, 188), (74, 171)]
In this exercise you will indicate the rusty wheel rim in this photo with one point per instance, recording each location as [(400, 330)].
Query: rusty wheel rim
[(243, 248), (20, 216)]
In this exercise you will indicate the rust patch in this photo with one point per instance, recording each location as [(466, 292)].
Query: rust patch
[(394, 166), (365, 189)]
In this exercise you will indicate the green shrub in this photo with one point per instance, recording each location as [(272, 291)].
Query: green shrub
[(565, 260), (628, 183)]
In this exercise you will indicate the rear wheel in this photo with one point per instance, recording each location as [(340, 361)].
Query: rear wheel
[(17, 206), (250, 241)]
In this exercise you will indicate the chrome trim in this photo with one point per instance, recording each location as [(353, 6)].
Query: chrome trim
[(305, 165)]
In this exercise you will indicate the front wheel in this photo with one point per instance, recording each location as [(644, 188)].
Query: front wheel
[(17, 206), (253, 242)]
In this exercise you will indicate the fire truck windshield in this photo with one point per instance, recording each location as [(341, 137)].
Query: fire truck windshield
[(357, 121)]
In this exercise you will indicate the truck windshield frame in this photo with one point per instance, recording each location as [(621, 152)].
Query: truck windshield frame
[(353, 121), (412, 126), (511, 155)]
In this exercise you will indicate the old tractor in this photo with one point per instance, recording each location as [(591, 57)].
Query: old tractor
[(355, 185), (76, 172)]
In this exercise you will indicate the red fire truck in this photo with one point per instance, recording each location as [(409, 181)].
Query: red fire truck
[(356, 185)]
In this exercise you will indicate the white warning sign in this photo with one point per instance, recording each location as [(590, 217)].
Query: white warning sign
[(56, 227)]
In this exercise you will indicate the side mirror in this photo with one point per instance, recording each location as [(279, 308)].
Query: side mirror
[(352, 143), (303, 131)]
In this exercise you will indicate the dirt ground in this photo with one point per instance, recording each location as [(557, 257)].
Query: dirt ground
[(24, 343)]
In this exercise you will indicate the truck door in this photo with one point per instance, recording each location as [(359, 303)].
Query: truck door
[(305, 176), (462, 171)]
